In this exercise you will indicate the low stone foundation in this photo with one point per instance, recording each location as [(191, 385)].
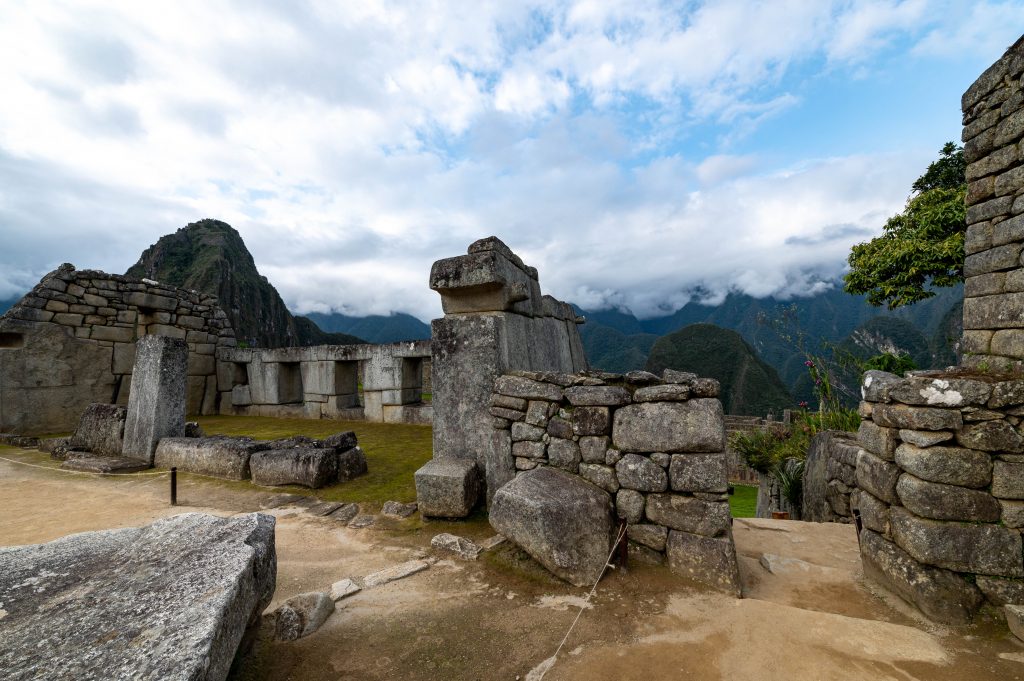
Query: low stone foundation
[(941, 490), (654, 446)]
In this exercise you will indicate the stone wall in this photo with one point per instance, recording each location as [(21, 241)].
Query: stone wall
[(830, 477), (70, 342), (941, 490), (382, 383), (655, 446), (993, 109), (496, 320)]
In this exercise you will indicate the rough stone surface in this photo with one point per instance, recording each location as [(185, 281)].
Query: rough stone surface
[(344, 588), (564, 454), (351, 463), (694, 426), (875, 385), (1000, 591), (940, 594), (397, 509), (1008, 480), (629, 504), (395, 572), (946, 502), (877, 476), (597, 396), (562, 521), (961, 547), (197, 579), (221, 457), (923, 438), (991, 436), (651, 536), (156, 404), (948, 465), (879, 441), (447, 488), (816, 506), (640, 473), (104, 464), (100, 430), (699, 473), (460, 546), (940, 392), (689, 514), (591, 421), (593, 449), (302, 615), (312, 467), (706, 560), (916, 418), (874, 513)]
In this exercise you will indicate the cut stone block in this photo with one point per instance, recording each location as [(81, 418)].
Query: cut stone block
[(100, 430), (948, 465), (447, 488), (221, 457), (962, 547), (105, 464), (706, 560), (312, 467), (689, 514), (694, 426), (156, 405)]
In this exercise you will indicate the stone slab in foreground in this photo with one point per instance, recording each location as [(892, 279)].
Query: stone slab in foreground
[(166, 601)]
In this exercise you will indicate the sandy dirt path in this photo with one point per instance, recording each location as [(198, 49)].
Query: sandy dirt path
[(502, 616)]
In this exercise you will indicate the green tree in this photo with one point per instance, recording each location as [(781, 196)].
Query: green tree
[(921, 246)]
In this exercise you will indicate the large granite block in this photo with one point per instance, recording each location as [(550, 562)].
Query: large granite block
[(156, 407)]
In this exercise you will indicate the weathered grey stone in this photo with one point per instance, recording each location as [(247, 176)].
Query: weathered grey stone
[(706, 560), (961, 547), (302, 615), (1001, 591), (837, 495), (924, 438), (948, 465), (612, 457), (940, 392), (694, 426), (689, 514), (460, 546), (506, 402), (324, 508), (816, 507), (705, 387), (342, 441), (593, 448), (991, 436), (447, 488), (103, 464), (397, 509), (351, 463), (669, 392), (874, 513), (345, 514), (601, 475), (597, 396), (651, 536), (344, 588), (564, 454), (524, 431), (629, 504), (1015, 619), (877, 476), (640, 473), (1011, 513), (916, 418), (312, 467), (529, 450), (507, 414), (197, 580), (1007, 393), (678, 377), (837, 470), (559, 427), (221, 457), (100, 430), (537, 413), (523, 464), (875, 385), (362, 521), (940, 594), (1008, 480), (879, 441), (699, 473), (562, 521), (156, 406), (524, 388), (662, 459), (591, 421), (395, 572), (946, 502)]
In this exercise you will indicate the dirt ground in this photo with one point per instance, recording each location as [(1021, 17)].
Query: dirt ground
[(501, 617)]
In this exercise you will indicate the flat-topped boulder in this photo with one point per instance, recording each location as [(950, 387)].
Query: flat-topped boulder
[(312, 467), (221, 457), (167, 601)]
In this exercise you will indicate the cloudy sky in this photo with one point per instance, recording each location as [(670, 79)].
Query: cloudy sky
[(635, 152)]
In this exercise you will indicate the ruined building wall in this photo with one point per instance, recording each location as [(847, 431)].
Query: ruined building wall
[(70, 342), (656, 446), (495, 320), (993, 109)]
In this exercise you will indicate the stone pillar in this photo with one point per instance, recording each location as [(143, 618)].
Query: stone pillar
[(993, 109), (496, 320), (156, 407)]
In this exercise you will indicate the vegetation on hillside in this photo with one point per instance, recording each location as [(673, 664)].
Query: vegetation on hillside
[(374, 328), (749, 386)]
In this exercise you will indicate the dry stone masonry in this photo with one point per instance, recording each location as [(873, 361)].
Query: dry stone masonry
[(993, 135), (70, 342), (830, 477), (591, 447), (940, 479)]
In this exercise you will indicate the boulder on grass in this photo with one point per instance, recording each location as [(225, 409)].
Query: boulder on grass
[(447, 488), (561, 520), (312, 467)]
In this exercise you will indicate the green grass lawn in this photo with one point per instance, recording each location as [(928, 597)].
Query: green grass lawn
[(393, 452), (743, 502)]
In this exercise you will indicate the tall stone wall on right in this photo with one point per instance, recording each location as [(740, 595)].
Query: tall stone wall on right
[(993, 109)]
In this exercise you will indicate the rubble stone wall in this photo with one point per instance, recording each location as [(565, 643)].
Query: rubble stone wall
[(993, 135), (655, 446), (830, 477), (382, 383), (70, 342), (940, 479)]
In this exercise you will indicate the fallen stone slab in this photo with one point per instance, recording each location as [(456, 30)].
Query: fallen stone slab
[(344, 588), (351, 463), (325, 508), (302, 615), (279, 500), (460, 546), (105, 464), (397, 509), (395, 572), (220, 457), (562, 521), (167, 601), (312, 467), (362, 521), (22, 441), (346, 513)]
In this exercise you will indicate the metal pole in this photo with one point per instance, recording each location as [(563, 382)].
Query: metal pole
[(174, 486)]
